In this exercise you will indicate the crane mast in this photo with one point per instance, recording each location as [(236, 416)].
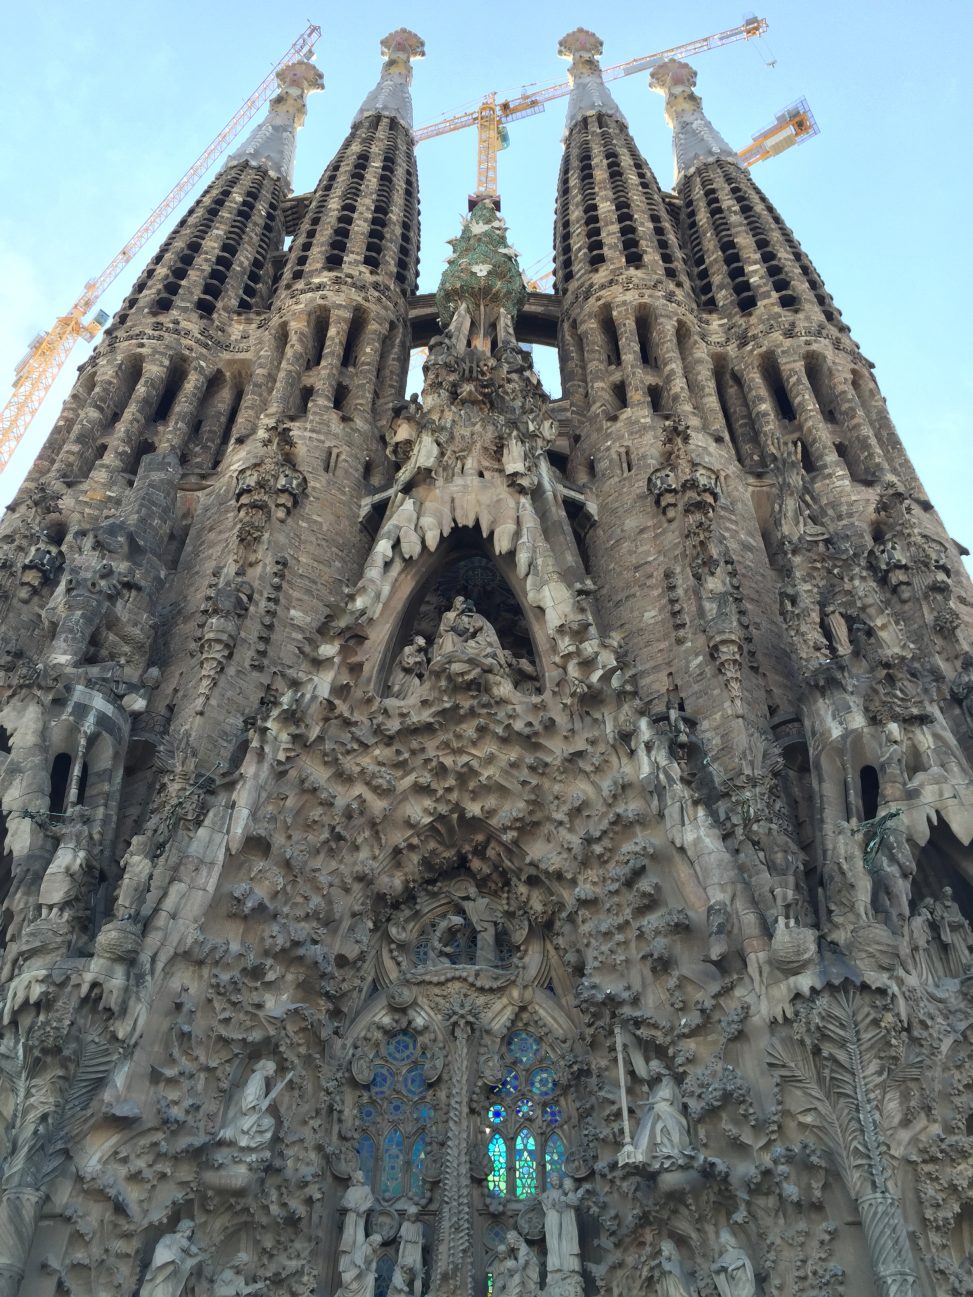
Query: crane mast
[(48, 353)]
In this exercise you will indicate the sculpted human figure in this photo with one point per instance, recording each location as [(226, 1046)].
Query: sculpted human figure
[(357, 1203), (662, 1137), (732, 1270), (847, 886), (72, 863), (403, 1281), (521, 1269), (408, 671), (921, 928), (961, 689), (358, 1270), (230, 1282), (137, 864), (954, 933), (249, 1125), (174, 1257), (672, 1280), (468, 651), (560, 1202), (410, 1247)]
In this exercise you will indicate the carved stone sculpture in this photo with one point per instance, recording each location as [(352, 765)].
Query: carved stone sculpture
[(560, 1203), (467, 653), (65, 880), (961, 689), (662, 1137), (672, 1279), (357, 1268), (410, 1250), (357, 1202), (230, 1282), (249, 1125), (174, 1258), (409, 670), (954, 934), (732, 1270)]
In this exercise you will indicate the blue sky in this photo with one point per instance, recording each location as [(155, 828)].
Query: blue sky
[(108, 103)]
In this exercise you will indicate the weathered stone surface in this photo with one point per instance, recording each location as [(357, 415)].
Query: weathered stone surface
[(472, 835)]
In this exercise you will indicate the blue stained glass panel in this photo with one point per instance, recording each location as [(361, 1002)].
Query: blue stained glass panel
[(523, 1047), (393, 1155), (401, 1047), (554, 1156), (414, 1082), (497, 1179), (416, 1163), (422, 1113), (510, 1083), (498, 1113), (368, 1112), (495, 1236), (525, 1108), (383, 1082), (552, 1114), (396, 1107), (525, 1163), (542, 1082), (366, 1157)]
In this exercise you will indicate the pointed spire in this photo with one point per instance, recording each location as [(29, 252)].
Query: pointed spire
[(272, 143), (589, 94), (391, 96), (695, 139), (482, 281)]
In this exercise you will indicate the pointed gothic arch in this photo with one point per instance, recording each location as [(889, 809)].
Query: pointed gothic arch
[(463, 563)]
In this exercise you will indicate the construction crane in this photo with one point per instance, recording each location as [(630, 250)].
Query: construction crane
[(795, 125), (490, 117), (48, 352)]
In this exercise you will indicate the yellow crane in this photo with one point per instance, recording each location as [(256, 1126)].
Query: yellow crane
[(794, 125), (491, 116), (48, 351)]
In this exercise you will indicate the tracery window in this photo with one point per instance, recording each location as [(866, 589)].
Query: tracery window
[(394, 1118), (524, 1145)]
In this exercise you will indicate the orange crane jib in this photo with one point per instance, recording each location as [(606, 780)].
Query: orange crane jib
[(40, 367)]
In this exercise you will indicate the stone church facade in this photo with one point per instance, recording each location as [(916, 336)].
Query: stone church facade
[(468, 842)]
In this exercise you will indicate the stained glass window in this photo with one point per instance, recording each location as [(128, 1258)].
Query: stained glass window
[(510, 1083), (401, 1047), (554, 1155), (394, 1118), (393, 1152), (497, 1179), (414, 1082), (366, 1157), (525, 1155), (542, 1082), (416, 1164), (383, 1082), (523, 1047)]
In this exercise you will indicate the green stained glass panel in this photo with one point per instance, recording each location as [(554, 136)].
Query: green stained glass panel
[(525, 1163), (497, 1179)]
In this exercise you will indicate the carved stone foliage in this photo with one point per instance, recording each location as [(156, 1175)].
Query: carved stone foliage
[(269, 486)]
